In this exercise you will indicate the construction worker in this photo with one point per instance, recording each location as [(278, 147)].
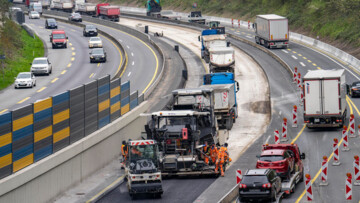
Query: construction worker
[(213, 153), (223, 156), (123, 152), (206, 152), (135, 151)]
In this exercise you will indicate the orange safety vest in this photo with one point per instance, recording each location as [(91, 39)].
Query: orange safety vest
[(123, 150), (213, 152)]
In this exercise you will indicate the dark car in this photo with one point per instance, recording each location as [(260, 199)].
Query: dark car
[(355, 89), (90, 30), (50, 23), (75, 17), (259, 185), (97, 55)]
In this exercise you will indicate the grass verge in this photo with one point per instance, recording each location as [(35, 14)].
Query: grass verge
[(20, 62)]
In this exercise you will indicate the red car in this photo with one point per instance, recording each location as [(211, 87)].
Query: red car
[(284, 158), (58, 38)]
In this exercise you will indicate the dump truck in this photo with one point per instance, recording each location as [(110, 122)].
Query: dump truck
[(62, 5), (153, 8), (272, 31), (225, 108), (325, 98), (45, 3), (109, 13), (142, 169), (86, 8), (196, 17), (216, 51)]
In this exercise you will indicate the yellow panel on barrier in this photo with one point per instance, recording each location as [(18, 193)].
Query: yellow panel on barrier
[(114, 92), (22, 163), (125, 109), (5, 139), (114, 107), (61, 116), (104, 105), (5, 160), (43, 104), (23, 122), (43, 133), (61, 135)]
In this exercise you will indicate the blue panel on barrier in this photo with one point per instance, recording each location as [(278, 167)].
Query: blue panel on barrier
[(104, 121), (4, 150), (125, 86), (23, 152), (23, 132), (5, 118), (41, 153), (60, 98), (133, 103), (125, 101), (115, 99), (104, 89), (46, 113)]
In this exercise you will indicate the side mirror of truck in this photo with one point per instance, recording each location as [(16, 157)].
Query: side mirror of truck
[(228, 44), (302, 156), (237, 86), (347, 89)]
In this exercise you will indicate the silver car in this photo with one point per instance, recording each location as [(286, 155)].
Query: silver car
[(25, 79), (41, 65), (34, 15), (95, 42)]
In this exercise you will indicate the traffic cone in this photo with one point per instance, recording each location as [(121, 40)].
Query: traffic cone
[(336, 153), (324, 171), (348, 187), (294, 120), (308, 187), (301, 95), (299, 80), (352, 126), (284, 131), (276, 137), (356, 170), (295, 75), (345, 139)]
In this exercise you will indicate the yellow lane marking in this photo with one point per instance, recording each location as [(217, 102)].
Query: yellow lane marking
[(331, 155), (309, 61), (298, 135), (23, 100), (73, 53), (102, 191), (319, 68), (357, 110), (72, 58), (63, 72), (92, 74), (70, 44), (299, 55), (69, 65), (72, 48), (294, 52), (73, 30), (314, 64), (289, 49), (304, 58), (98, 64), (54, 80), (3, 111), (41, 89)]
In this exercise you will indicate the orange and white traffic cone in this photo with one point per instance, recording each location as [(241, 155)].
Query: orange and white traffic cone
[(284, 131), (352, 126), (348, 187), (299, 81), (356, 170), (324, 171), (308, 186), (238, 176), (301, 95), (345, 139), (295, 75), (276, 137), (294, 120), (336, 153)]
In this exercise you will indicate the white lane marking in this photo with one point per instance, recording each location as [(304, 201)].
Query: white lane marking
[(128, 46), (302, 64), (294, 56), (132, 54), (267, 140), (129, 74), (285, 51), (120, 40), (249, 37), (133, 63)]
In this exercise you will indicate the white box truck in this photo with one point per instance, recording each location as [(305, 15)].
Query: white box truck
[(324, 98), (272, 31)]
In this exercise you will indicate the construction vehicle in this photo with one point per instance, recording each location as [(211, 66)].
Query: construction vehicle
[(45, 3), (225, 108), (109, 12), (142, 168), (153, 8), (62, 5), (216, 51), (272, 31), (195, 17), (325, 98), (214, 24), (292, 177)]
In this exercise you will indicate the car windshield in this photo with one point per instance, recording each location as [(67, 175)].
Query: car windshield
[(34, 12), (76, 15), (23, 75), (143, 152), (95, 39), (40, 61), (51, 20), (58, 36), (356, 84), (90, 27), (251, 179), (271, 158), (97, 51)]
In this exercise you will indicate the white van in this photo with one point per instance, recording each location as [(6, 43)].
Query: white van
[(36, 6)]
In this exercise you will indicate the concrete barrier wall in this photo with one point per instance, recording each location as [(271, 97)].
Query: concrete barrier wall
[(53, 175)]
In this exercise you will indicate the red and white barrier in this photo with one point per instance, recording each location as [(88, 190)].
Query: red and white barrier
[(238, 176), (295, 75), (239, 23), (348, 187), (276, 137), (301, 95), (294, 120), (324, 171), (336, 153), (356, 170), (284, 131), (308, 187), (352, 126), (299, 80), (249, 24), (345, 139)]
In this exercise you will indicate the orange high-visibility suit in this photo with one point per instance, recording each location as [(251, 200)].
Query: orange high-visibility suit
[(124, 152), (213, 153), (223, 156), (206, 153)]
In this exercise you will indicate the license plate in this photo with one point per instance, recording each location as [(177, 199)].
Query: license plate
[(145, 177), (254, 190), (316, 120)]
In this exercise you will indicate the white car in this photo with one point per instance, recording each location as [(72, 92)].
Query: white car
[(41, 65), (95, 42), (25, 79), (34, 15)]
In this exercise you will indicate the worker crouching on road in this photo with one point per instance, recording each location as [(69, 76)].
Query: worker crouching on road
[(124, 152), (223, 157)]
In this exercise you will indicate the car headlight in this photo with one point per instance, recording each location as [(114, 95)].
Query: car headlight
[(86, 30), (91, 57), (16, 82)]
